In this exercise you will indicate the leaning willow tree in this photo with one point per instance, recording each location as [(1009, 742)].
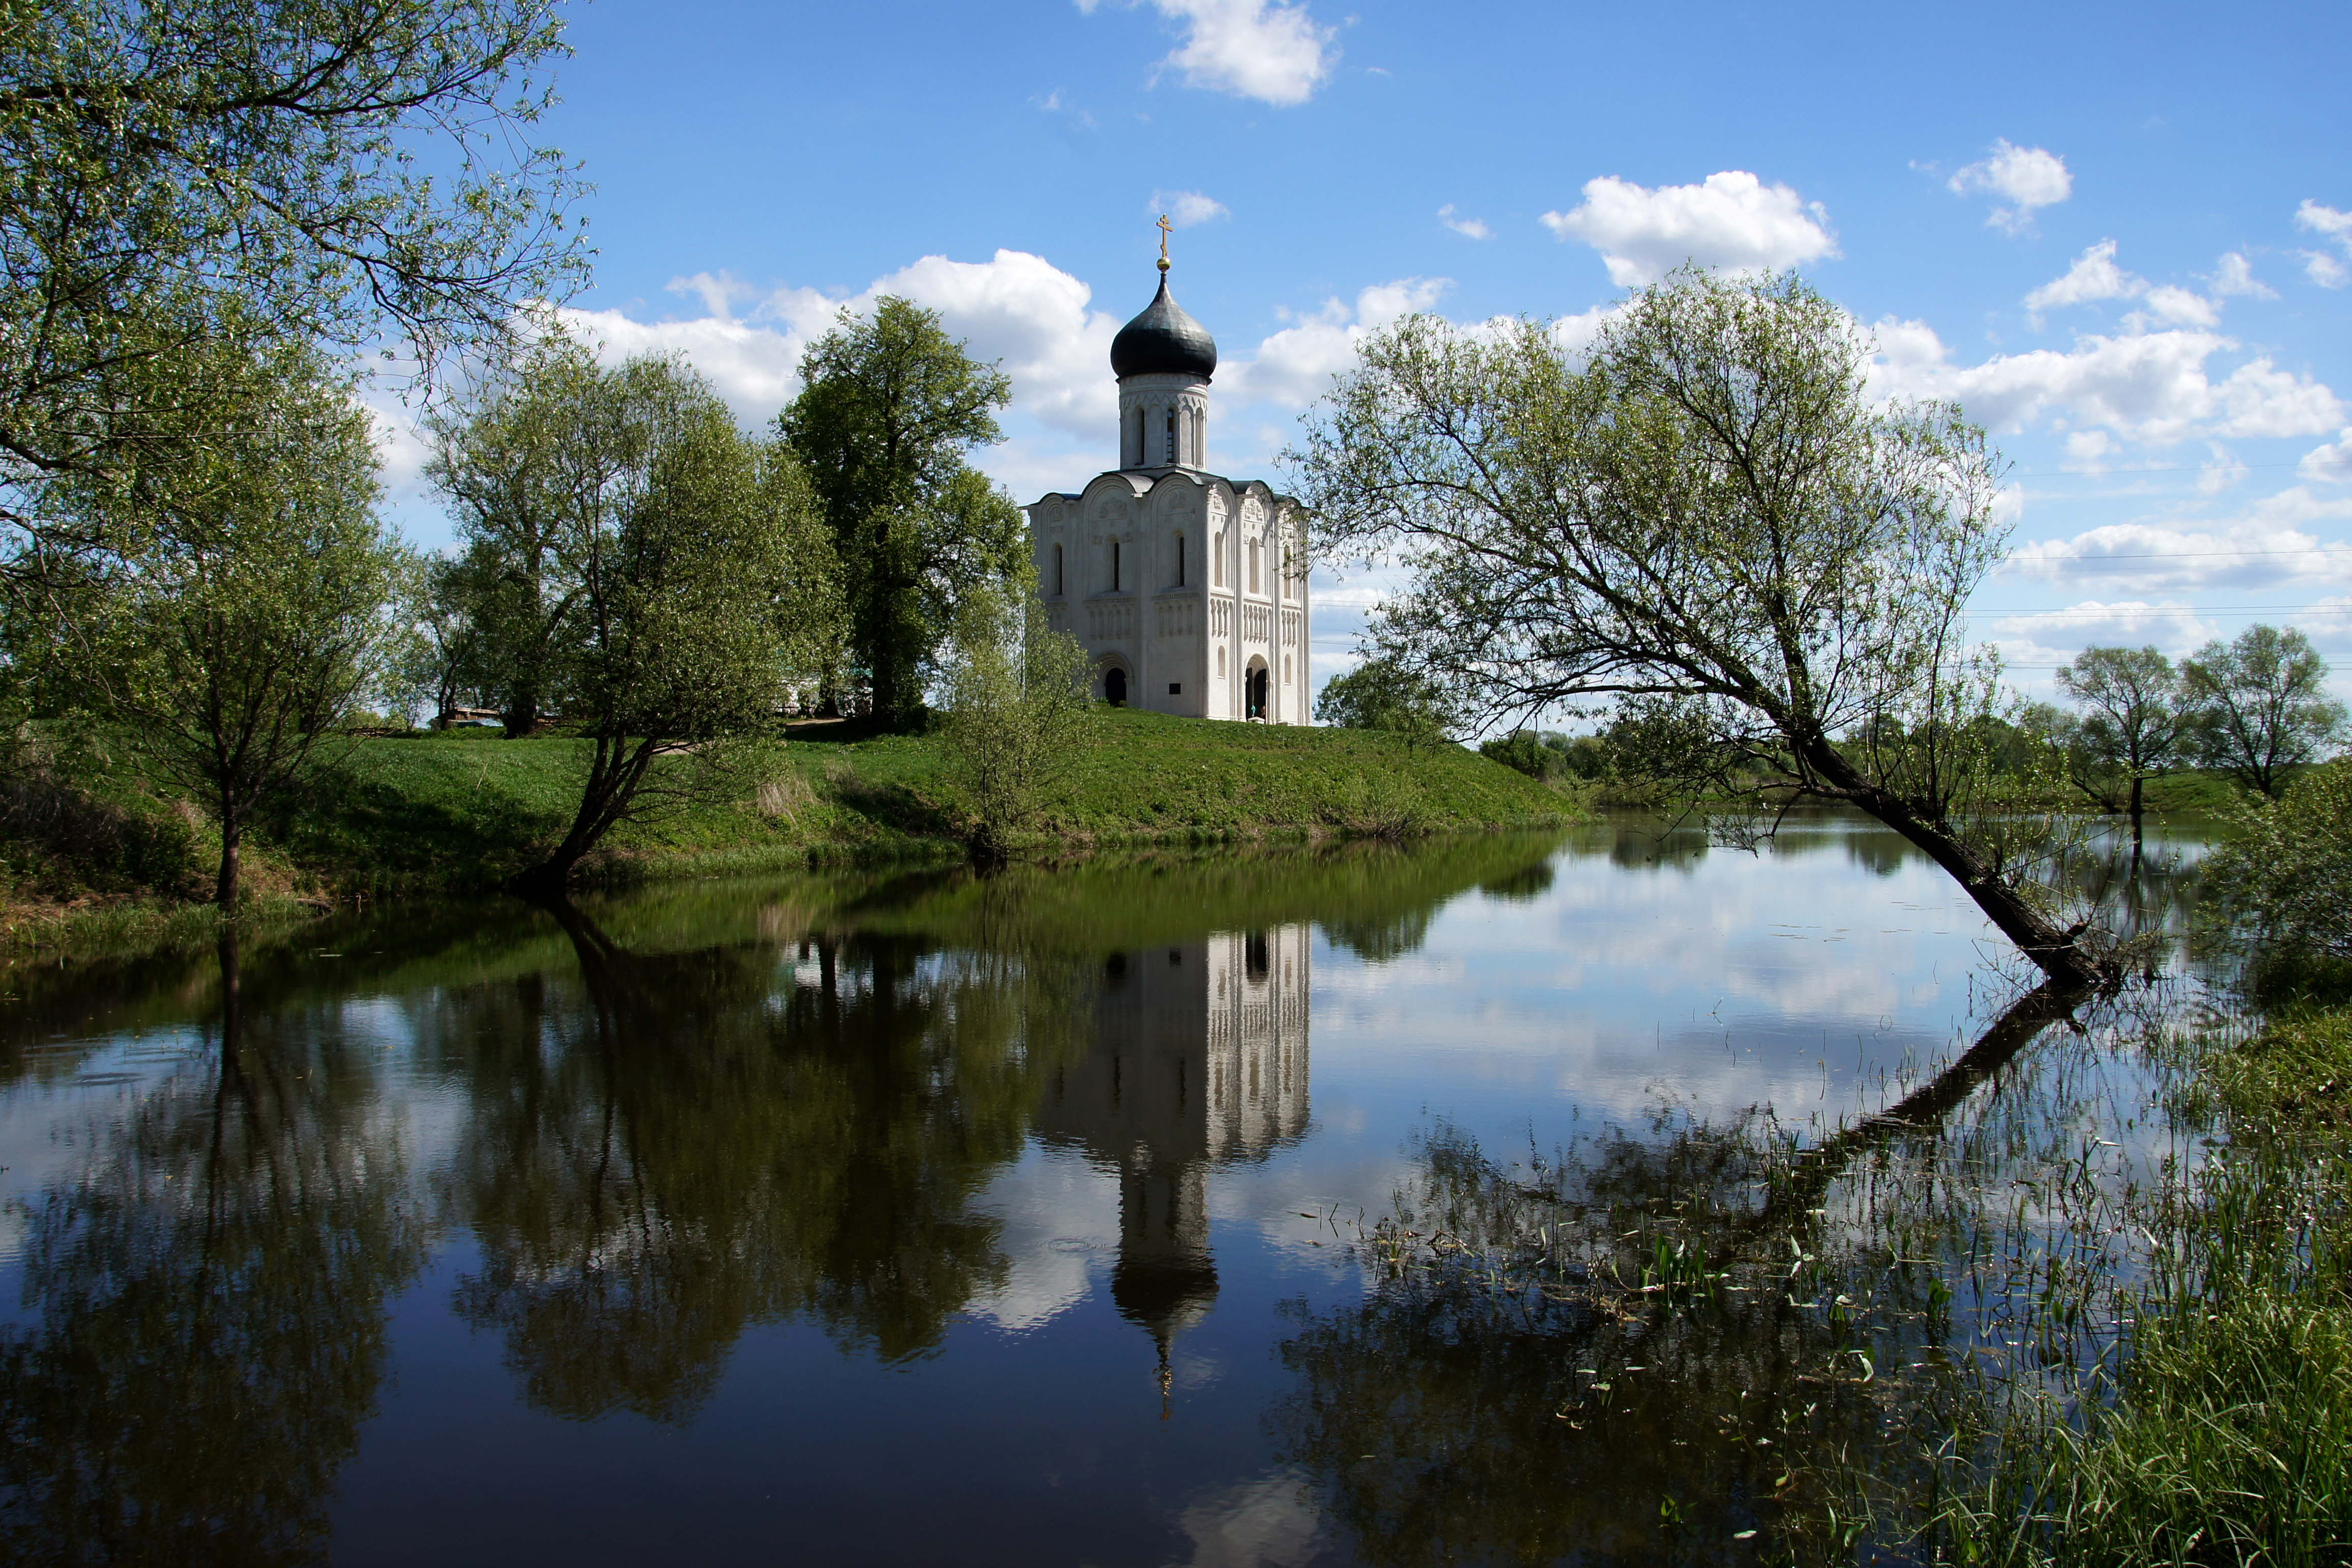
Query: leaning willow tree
[(1703, 518)]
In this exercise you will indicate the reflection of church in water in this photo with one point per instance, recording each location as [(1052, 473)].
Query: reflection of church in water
[(1199, 1060)]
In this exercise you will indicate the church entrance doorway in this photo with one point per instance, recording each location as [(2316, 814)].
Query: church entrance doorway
[(1254, 692), (1115, 686)]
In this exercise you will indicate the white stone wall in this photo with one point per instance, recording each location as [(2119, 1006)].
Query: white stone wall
[(1187, 583)]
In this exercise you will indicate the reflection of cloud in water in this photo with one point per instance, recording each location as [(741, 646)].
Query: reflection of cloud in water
[(1060, 1226), (1784, 967), (1266, 1523)]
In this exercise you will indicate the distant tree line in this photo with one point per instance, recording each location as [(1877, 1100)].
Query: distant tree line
[(2255, 709)]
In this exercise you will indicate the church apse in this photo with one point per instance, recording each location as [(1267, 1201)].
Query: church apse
[(1199, 1061)]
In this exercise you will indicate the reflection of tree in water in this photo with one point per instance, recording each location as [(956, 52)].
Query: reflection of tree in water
[(1553, 1362), (676, 1151), (1521, 886), (211, 1283)]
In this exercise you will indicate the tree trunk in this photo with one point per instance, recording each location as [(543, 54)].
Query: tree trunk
[(232, 836), (2050, 948), (2136, 819), (615, 772)]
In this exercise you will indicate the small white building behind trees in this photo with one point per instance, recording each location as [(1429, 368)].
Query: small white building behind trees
[(1187, 589)]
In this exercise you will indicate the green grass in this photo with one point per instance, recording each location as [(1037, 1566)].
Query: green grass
[(2228, 1438), (392, 816)]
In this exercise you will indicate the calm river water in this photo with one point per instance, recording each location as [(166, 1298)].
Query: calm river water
[(1128, 1214)]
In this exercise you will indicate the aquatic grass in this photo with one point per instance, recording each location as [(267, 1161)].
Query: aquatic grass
[(2227, 1436)]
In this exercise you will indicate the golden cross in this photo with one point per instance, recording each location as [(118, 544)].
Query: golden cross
[(1165, 228)]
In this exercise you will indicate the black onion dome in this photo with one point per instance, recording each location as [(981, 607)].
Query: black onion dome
[(1163, 340)]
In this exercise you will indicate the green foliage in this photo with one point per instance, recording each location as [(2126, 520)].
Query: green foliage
[(251, 617), (1016, 713), (1384, 694), (2284, 882), (1547, 756), (1704, 517), (2262, 707), (168, 173), (635, 558), (889, 406)]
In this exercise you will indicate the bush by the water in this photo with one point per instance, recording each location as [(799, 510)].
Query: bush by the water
[(2284, 885)]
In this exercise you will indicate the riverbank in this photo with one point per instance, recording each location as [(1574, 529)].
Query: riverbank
[(102, 853)]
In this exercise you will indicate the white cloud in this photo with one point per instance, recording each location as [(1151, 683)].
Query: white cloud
[(1295, 366), (2327, 271), (2221, 473), (2027, 177), (2331, 463), (2087, 451), (2149, 387), (2182, 307), (1474, 227), (2133, 622), (2233, 273), (2326, 221), (2268, 544), (2095, 276), (1186, 208), (1732, 221), (1251, 48), (1017, 308)]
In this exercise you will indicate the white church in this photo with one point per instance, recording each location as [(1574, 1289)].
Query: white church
[(1187, 589)]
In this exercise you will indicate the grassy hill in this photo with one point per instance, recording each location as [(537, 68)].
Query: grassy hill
[(390, 815)]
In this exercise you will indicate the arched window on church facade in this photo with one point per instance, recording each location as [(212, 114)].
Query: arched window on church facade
[(1058, 570), (1217, 561), (1180, 560), (1252, 567), (1114, 566), (1171, 435)]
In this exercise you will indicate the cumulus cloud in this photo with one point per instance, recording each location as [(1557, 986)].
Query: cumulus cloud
[(2026, 177), (1295, 366), (2268, 544), (1733, 221), (1474, 227), (2095, 276), (2325, 270), (2234, 274), (1186, 208), (1014, 308), (1251, 48), (2133, 622), (2151, 387), (2331, 463)]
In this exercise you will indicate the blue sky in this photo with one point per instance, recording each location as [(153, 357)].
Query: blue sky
[(2120, 235)]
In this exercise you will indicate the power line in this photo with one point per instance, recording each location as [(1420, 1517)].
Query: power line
[(2175, 554), (2158, 610)]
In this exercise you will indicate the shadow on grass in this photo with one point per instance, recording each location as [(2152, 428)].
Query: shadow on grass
[(381, 838)]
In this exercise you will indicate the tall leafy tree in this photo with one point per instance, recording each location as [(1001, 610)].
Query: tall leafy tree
[(523, 462), (1708, 519), (658, 574), (167, 168), (890, 406), (2134, 721), (2261, 705), (251, 616)]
